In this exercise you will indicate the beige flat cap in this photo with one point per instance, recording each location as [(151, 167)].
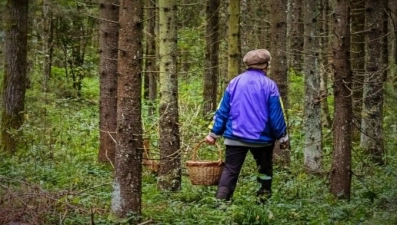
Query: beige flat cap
[(258, 58)]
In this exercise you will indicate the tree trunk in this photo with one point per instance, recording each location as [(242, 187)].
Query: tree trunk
[(357, 56), (78, 52), (375, 76), (296, 36), (254, 25), (211, 57), (393, 40), (326, 120), (341, 155), (325, 69), (393, 9), (14, 84), (170, 164), (151, 56), (234, 58), (223, 48), (246, 26), (108, 44), (264, 33), (127, 190), (312, 109), (48, 36), (278, 46)]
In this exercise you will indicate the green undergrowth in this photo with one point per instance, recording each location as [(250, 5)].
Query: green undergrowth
[(298, 198), (55, 179), (79, 190)]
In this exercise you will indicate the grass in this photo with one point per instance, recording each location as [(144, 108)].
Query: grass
[(55, 178)]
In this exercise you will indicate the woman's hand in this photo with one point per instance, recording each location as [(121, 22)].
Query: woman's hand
[(210, 140)]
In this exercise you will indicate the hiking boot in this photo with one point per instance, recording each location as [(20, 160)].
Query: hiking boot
[(223, 193)]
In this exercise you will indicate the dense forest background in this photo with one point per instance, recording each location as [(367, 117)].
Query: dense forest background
[(63, 159)]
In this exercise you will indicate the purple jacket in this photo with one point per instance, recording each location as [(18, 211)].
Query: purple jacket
[(251, 110)]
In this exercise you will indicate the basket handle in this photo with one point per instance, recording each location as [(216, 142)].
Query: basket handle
[(194, 158)]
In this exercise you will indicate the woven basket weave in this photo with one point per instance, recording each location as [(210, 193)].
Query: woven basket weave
[(204, 172)]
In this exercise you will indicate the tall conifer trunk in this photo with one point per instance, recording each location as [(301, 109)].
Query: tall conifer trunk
[(296, 36), (211, 57), (234, 56), (48, 37), (357, 55), (151, 54), (127, 189), (14, 84), (341, 155), (170, 165), (312, 110), (375, 77), (108, 45), (278, 69)]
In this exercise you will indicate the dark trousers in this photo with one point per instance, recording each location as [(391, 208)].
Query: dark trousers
[(235, 157)]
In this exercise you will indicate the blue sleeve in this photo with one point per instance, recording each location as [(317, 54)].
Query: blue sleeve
[(218, 124), (277, 119)]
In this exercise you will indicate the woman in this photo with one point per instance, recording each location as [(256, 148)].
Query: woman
[(250, 117)]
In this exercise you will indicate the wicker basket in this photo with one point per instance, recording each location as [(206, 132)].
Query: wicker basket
[(204, 172)]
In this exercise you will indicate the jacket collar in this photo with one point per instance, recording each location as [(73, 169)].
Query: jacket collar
[(258, 70)]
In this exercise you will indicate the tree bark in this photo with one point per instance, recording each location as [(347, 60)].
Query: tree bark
[(247, 25), (234, 56), (312, 109), (48, 37), (211, 57), (254, 25), (264, 33), (278, 69), (15, 76), (108, 44), (393, 13), (357, 55), (341, 155), (170, 164), (375, 77), (152, 55), (127, 190), (296, 36), (325, 69)]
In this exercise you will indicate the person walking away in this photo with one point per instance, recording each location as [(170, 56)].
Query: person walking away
[(250, 117)]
